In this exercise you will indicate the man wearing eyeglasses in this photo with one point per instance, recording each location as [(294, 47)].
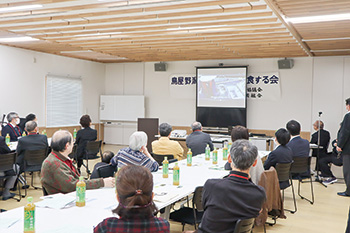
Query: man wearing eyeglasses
[(12, 128)]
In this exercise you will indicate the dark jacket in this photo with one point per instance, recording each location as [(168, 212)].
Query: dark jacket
[(344, 135), (197, 142), (4, 149), (299, 146), (9, 129), (324, 141), (229, 199), (83, 136)]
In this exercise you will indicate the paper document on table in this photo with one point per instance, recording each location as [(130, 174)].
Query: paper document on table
[(163, 197), (56, 201), (7, 222)]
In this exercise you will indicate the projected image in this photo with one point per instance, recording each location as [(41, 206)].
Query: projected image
[(221, 90)]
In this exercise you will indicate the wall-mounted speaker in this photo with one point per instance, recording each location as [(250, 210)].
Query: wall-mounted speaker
[(160, 66), (285, 64)]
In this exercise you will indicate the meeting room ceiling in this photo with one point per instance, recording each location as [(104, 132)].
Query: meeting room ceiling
[(171, 30)]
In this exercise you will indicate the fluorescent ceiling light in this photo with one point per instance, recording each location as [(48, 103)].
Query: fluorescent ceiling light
[(320, 18), (18, 39), (19, 8), (77, 51)]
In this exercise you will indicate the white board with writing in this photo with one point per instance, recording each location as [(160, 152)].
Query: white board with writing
[(121, 107)]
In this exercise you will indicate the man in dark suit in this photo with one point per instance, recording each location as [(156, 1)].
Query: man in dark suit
[(282, 153), (198, 140), (12, 175), (235, 197), (33, 141), (299, 146), (83, 136), (324, 139), (343, 147), (12, 128)]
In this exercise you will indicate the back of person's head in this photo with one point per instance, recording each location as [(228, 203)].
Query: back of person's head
[(85, 121), (11, 115), (30, 117), (293, 127), (282, 136), (243, 154), (107, 156), (30, 126), (318, 124), (347, 101), (239, 132), (196, 126), (134, 187), (60, 139), (137, 140), (165, 129)]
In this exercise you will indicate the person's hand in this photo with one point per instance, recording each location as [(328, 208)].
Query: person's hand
[(109, 182), (339, 149)]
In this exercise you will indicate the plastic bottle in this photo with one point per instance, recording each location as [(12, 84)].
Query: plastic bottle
[(165, 167), (45, 132), (176, 175), (207, 152), (29, 216), (80, 192), (229, 145), (24, 134), (189, 158), (215, 156), (7, 139), (75, 134), (224, 152)]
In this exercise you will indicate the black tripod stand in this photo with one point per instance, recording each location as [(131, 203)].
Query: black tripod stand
[(318, 179)]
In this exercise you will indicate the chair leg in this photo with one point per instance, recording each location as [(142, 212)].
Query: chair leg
[(32, 182), (25, 190), (295, 204), (312, 192), (183, 226)]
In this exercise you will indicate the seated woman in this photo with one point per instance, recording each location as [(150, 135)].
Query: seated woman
[(282, 153), (83, 136), (136, 209), (136, 153), (241, 132)]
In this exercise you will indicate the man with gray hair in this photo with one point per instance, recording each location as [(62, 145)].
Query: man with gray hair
[(12, 128), (33, 141), (234, 197), (136, 153), (198, 140), (165, 146)]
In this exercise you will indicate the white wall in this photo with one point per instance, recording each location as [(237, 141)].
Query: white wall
[(22, 75)]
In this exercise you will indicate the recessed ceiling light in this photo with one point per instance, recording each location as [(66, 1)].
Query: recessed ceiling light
[(319, 18), (18, 39), (19, 8)]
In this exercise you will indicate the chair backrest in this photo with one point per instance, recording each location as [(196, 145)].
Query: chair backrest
[(72, 155), (300, 164), (35, 157), (93, 147), (106, 171), (7, 161), (160, 158), (197, 199), (244, 226), (283, 171)]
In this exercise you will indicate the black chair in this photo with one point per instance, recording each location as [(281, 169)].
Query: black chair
[(44, 191), (92, 149), (7, 162), (106, 171), (160, 158), (284, 175), (244, 226), (302, 165), (73, 154), (187, 215), (33, 160)]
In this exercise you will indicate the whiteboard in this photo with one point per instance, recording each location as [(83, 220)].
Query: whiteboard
[(121, 107)]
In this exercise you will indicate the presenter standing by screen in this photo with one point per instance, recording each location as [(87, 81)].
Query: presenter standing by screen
[(343, 147)]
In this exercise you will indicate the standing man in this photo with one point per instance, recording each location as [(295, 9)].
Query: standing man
[(197, 140), (12, 128), (343, 147)]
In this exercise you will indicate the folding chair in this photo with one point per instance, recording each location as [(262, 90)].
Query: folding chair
[(244, 226), (106, 171), (92, 148), (7, 162), (302, 165), (284, 175), (160, 158)]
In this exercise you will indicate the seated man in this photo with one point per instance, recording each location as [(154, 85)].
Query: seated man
[(336, 158), (33, 141), (12, 128), (29, 117), (12, 175), (299, 146), (197, 140), (165, 146), (282, 153), (136, 153), (58, 174), (324, 139), (235, 197), (106, 159)]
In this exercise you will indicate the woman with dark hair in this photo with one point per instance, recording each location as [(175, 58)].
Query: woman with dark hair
[(136, 209), (83, 136)]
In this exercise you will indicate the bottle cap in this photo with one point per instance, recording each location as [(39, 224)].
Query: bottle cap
[(81, 178), (165, 158), (189, 149), (30, 199)]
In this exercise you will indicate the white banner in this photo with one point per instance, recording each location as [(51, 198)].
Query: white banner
[(183, 86), (264, 86)]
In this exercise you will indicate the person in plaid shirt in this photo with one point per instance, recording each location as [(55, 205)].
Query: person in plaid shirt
[(136, 209)]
